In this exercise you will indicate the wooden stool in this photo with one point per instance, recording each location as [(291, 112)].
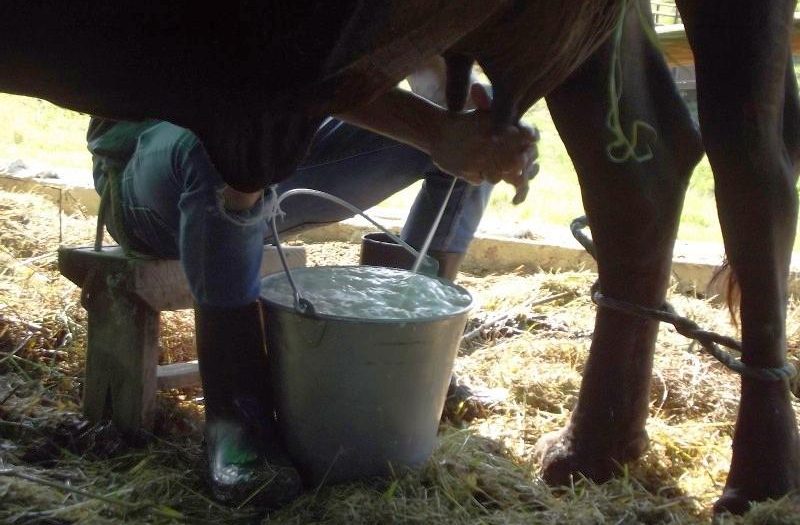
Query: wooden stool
[(123, 297)]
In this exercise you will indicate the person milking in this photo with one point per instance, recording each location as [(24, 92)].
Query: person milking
[(175, 205)]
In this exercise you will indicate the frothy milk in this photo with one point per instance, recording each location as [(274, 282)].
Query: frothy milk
[(367, 292)]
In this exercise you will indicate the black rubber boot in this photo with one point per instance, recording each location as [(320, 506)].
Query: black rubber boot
[(246, 460), (449, 263), (378, 249)]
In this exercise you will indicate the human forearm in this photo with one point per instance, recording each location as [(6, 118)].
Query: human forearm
[(403, 116), (465, 144)]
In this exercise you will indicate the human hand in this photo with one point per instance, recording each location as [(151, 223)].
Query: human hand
[(469, 146)]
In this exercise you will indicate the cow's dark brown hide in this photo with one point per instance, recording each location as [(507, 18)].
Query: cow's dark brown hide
[(250, 78)]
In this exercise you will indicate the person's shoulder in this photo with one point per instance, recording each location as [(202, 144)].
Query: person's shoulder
[(115, 139), (101, 126), (181, 137)]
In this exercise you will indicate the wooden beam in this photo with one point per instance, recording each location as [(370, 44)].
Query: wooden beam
[(160, 283), (121, 357), (675, 46), (178, 375)]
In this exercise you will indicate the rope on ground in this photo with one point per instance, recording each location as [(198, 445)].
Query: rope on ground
[(472, 334), (710, 341)]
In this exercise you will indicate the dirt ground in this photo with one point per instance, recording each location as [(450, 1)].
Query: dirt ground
[(55, 467)]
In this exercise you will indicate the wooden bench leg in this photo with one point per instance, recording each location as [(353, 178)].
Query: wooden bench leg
[(123, 297), (121, 357)]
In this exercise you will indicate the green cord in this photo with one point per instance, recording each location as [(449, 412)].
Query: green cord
[(621, 148)]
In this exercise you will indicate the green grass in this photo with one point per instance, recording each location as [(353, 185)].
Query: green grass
[(39, 132), (555, 196)]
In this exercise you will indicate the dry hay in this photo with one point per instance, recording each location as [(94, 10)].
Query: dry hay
[(56, 468)]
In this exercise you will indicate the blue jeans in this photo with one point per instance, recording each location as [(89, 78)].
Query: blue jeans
[(172, 206)]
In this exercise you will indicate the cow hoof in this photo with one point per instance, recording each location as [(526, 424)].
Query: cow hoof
[(732, 501), (739, 499), (562, 460), (766, 449)]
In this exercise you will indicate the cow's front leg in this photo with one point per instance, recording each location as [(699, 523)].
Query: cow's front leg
[(633, 207), (749, 119)]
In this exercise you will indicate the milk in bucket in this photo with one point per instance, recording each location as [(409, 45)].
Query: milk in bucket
[(360, 383), (369, 292), (360, 360)]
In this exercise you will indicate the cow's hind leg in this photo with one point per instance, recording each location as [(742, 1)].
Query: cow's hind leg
[(741, 50), (633, 209)]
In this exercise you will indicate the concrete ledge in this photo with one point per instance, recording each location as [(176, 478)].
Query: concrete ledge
[(694, 264), (693, 268), (74, 199)]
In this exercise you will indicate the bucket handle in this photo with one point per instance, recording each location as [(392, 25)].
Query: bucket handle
[(301, 304)]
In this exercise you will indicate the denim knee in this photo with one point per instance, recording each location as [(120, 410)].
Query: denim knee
[(221, 249)]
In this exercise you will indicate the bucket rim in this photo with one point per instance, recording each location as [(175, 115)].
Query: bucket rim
[(340, 318)]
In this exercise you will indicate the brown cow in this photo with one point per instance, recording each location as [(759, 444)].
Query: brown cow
[(213, 70), (251, 78), (750, 120)]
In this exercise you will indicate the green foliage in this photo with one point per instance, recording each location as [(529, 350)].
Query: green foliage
[(39, 132), (555, 200)]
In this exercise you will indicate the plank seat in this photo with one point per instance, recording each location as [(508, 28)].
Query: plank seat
[(123, 297)]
